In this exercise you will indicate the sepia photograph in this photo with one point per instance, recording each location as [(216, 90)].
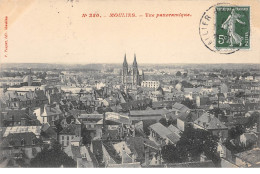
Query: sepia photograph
[(129, 84)]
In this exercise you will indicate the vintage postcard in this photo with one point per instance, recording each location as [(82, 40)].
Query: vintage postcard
[(129, 84)]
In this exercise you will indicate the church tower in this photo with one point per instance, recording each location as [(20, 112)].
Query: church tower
[(135, 72), (125, 71)]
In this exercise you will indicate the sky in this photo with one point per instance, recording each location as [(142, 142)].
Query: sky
[(54, 31)]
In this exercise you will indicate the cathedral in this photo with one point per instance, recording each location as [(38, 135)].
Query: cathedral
[(131, 77)]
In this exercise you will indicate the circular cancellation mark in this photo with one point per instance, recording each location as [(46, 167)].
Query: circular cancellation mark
[(207, 30)]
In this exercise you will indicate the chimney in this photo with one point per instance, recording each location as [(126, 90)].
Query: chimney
[(12, 120), (219, 116), (146, 156), (209, 118)]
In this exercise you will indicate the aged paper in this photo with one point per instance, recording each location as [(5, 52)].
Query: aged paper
[(87, 53)]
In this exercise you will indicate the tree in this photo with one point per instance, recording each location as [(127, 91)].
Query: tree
[(194, 142), (170, 154), (187, 102), (236, 131), (236, 147), (246, 74), (178, 74), (212, 75), (186, 84), (240, 94), (52, 157), (163, 122), (252, 120), (216, 112), (58, 126)]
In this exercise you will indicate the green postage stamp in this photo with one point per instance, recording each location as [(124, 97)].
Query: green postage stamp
[(232, 27)]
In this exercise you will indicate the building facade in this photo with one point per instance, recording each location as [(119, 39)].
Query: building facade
[(131, 77), (150, 84)]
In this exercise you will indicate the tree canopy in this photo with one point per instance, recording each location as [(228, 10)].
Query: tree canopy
[(192, 144), (178, 73), (189, 103), (236, 131), (52, 157), (186, 84), (252, 120)]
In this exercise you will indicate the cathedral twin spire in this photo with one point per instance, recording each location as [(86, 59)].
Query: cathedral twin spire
[(125, 62), (130, 76), (134, 63)]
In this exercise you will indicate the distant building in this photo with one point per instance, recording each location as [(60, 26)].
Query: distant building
[(131, 77), (150, 84), (17, 81), (71, 135)]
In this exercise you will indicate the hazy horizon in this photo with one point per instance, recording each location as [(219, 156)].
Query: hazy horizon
[(56, 32)]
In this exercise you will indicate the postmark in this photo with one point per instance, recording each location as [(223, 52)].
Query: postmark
[(210, 30)]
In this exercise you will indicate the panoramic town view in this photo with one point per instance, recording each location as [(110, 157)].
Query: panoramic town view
[(129, 115)]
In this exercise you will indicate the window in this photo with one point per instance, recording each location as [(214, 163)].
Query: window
[(62, 137), (33, 142), (68, 138), (22, 142)]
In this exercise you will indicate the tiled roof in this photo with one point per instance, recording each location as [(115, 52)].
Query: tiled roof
[(160, 130), (173, 137), (16, 114), (95, 116), (193, 90), (133, 104), (75, 151), (250, 136), (174, 129), (119, 118), (237, 107), (180, 107), (163, 104), (209, 121), (251, 156), (97, 147), (22, 129), (187, 117), (16, 139), (125, 165), (70, 130), (149, 112), (136, 144), (204, 164), (49, 111)]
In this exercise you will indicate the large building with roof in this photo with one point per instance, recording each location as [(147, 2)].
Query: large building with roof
[(131, 77)]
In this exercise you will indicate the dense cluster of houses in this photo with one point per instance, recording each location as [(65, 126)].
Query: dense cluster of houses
[(105, 124)]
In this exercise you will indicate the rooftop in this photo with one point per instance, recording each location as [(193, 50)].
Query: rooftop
[(250, 156), (22, 129), (160, 129)]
